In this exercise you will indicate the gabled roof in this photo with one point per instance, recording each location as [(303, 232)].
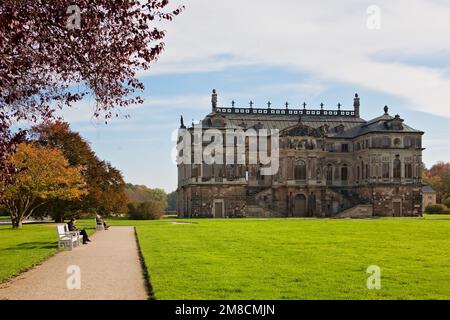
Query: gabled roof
[(428, 189)]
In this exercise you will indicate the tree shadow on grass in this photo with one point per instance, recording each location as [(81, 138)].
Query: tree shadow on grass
[(32, 246)]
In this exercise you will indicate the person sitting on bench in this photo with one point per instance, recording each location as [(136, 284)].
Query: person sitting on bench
[(71, 225), (100, 221)]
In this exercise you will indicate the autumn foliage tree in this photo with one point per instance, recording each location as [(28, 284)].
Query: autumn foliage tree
[(104, 183), (47, 177), (438, 177), (53, 53)]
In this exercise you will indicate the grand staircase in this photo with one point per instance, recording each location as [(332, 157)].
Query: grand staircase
[(358, 211), (352, 204), (256, 207)]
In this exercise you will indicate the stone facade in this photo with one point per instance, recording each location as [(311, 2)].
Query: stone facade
[(329, 162)]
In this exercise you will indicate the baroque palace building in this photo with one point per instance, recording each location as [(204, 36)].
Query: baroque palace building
[(332, 163)]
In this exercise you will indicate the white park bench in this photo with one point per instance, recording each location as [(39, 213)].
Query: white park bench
[(66, 238), (99, 225)]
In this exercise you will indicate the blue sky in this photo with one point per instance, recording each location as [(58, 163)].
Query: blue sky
[(295, 51)]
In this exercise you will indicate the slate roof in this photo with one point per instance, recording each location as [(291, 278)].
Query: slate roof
[(427, 188), (352, 126), (376, 125)]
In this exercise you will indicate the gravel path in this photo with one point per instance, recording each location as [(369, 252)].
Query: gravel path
[(110, 270)]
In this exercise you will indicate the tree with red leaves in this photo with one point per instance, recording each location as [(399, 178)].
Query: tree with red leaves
[(55, 52), (438, 177)]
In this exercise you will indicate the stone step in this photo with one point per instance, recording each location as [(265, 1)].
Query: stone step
[(358, 211)]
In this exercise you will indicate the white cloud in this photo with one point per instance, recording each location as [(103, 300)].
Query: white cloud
[(82, 112), (328, 39), (176, 102)]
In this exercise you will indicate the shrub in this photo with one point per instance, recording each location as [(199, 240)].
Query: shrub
[(3, 212), (446, 202), (436, 208), (149, 210)]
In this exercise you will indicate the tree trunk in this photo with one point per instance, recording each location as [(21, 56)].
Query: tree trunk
[(16, 223), (59, 219), (16, 219)]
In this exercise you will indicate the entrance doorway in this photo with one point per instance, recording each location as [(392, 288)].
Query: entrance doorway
[(218, 209), (300, 206), (397, 209)]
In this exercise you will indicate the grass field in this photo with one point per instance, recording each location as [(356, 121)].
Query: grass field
[(297, 259), (21, 249)]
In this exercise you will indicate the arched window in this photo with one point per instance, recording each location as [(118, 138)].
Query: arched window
[(329, 174), (344, 173), (385, 168), (397, 169), (300, 170), (363, 172)]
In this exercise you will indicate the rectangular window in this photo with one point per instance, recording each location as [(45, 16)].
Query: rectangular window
[(195, 171), (207, 171), (407, 142), (418, 142), (330, 147), (376, 142), (408, 171), (386, 142), (344, 147)]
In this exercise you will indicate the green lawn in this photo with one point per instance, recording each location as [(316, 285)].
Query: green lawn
[(21, 249), (297, 259)]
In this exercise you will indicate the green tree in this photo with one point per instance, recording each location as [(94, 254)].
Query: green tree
[(148, 210), (446, 202), (140, 193), (45, 176), (172, 201), (107, 190)]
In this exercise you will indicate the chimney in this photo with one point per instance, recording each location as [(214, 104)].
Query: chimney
[(356, 105), (214, 100)]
